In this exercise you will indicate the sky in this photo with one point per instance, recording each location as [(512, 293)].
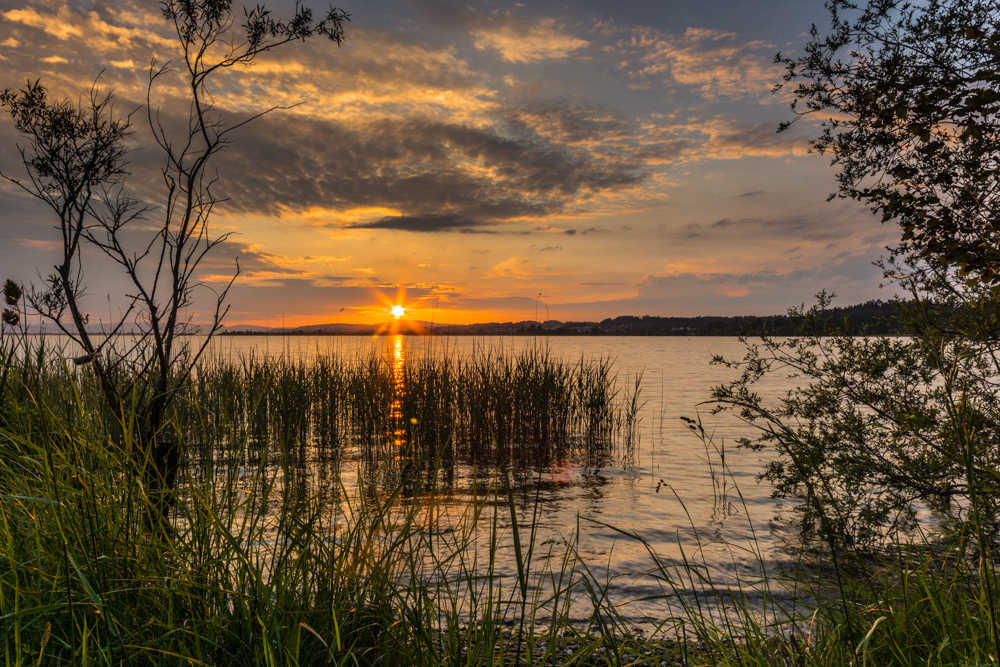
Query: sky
[(478, 161)]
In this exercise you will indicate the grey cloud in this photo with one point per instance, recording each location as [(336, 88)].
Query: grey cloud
[(419, 223), (831, 225), (725, 222), (575, 123), (451, 14), (759, 139), (254, 262), (657, 284), (664, 150), (418, 166), (601, 128), (844, 269), (769, 292)]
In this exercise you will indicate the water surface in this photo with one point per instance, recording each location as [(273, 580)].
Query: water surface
[(686, 498)]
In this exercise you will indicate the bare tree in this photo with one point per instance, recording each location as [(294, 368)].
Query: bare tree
[(75, 157)]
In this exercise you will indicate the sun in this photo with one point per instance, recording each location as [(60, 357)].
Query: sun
[(398, 311)]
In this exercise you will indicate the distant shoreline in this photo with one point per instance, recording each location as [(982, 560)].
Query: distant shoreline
[(870, 318), (867, 319), (375, 332)]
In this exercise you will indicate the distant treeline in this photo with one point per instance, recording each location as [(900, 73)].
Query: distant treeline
[(871, 317)]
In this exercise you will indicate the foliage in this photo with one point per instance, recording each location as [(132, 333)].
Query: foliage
[(908, 95), (871, 317), (876, 428), (881, 427), (11, 297), (75, 157)]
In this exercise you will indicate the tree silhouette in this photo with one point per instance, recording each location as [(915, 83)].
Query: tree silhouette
[(75, 156)]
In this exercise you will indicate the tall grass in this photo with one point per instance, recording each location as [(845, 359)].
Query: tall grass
[(264, 571), (260, 570)]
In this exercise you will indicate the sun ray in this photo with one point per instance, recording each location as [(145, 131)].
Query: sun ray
[(398, 308)]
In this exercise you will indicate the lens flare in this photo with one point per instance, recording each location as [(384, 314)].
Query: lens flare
[(398, 311)]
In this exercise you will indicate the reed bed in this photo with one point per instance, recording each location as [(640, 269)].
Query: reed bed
[(489, 408)]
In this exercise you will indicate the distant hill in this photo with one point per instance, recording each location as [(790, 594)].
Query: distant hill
[(871, 317)]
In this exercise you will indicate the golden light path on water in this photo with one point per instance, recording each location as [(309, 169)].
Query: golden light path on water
[(396, 410)]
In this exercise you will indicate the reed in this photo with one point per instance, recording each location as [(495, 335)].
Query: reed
[(488, 408)]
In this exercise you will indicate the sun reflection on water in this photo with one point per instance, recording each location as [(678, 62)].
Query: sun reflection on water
[(396, 409)]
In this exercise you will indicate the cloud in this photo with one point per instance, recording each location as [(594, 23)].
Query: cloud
[(728, 140), (99, 29), (715, 63), (391, 124), (419, 223), (376, 69), (376, 73), (515, 39), (39, 244), (575, 124), (258, 266), (526, 42), (62, 26), (698, 139), (833, 224), (830, 274), (429, 173), (519, 268), (692, 289)]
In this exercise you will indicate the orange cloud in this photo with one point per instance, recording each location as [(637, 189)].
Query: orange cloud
[(522, 42), (39, 244), (375, 74), (63, 25), (124, 28), (714, 62), (514, 267)]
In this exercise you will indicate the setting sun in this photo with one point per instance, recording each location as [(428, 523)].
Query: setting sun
[(398, 311)]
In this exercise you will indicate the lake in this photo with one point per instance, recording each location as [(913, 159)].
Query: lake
[(669, 487)]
